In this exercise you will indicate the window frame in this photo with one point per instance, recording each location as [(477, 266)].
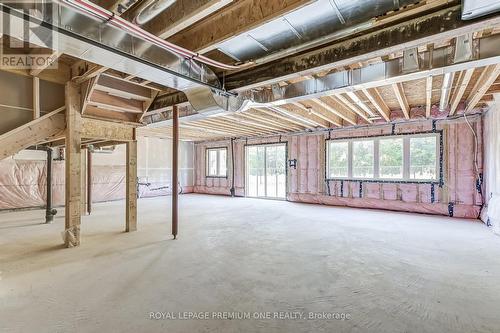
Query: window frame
[(207, 164), (376, 151)]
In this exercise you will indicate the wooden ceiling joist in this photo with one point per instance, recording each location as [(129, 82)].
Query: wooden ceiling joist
[(401, 97), (487, 78), (289, 118), (269, 119), (232, 20), (378, 102), (115, 103), (349, 105), (302, 112), (335, 107), (463, 81), (322, 113)]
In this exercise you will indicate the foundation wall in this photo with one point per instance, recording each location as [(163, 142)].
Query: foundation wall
[(306, 183)]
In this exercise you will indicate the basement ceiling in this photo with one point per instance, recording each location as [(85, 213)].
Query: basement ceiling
[(321, 18)]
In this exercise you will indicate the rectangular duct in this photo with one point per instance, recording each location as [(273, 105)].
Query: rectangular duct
[(476, 8)]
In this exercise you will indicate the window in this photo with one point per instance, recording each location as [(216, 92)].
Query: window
[(404, 157), (362, 159), (338, 160), (391, 158), (423, 158), (216, 162)]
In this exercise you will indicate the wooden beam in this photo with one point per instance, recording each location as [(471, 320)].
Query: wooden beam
[(147, 104), (123, 88), (73, 166), (230, 124), (43, 129), (115, 103), (401, 97), (347, 104), (39, 69), (269, 120), (87, 90), (181, 15), (83, 71), (335, 107), (322, 113), (463, 82), (106, 130), (289, 118), (244, 118), (434, 27), (301, 111), (487, 78), (131, 185), (428, 96), (378, 102), (232, 20), (36, 97)]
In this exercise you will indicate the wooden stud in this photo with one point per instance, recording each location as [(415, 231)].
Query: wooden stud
[(36, 97), (428, 96), (131, 185), (73, 166)]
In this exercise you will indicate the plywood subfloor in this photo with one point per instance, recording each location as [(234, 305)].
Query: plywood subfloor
[(392, 272)]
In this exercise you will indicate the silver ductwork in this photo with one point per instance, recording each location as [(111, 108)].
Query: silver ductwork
[(68, 31), (150, 9)]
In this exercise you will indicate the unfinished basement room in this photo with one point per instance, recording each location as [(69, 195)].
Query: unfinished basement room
[(189, 166)]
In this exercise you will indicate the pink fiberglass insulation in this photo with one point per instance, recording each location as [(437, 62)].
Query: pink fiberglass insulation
[(23, 184), (307, 182)]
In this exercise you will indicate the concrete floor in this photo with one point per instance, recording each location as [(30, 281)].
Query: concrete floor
[(389, 272)]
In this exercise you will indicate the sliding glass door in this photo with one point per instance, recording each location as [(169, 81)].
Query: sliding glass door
[(266, 171)]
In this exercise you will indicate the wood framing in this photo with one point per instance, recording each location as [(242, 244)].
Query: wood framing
[(488, 77), (73, 166), (131, 186), (378, 102), (106, 130), (401, 97), (36, 98), (183, 14), (428, 96), (232, 20), (463, 82), (40, 130)]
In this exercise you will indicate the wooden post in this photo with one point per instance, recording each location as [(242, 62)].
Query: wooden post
[(131, 195), (36, 97), (73, 166), (175, 169), (89, 181)]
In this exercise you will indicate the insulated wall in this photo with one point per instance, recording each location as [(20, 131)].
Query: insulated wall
[(23, 176), (491, 213), (457, 196)]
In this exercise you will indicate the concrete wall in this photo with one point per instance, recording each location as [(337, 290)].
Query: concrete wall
[(307, 182), (23, 176)]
